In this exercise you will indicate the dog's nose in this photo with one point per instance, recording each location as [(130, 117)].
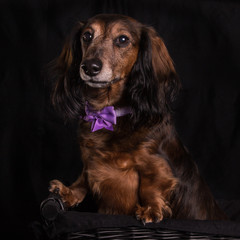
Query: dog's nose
[(92, 67)]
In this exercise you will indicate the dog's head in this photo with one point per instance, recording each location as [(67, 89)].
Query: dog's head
[(111, 56), (109, 50)]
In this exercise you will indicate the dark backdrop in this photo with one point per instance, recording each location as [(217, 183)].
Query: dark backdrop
[(203, 38)]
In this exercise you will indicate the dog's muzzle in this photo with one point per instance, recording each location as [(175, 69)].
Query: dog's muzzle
[(91, 72)]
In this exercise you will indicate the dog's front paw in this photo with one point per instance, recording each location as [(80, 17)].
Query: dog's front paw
[(148, 214), (65, 193), (55, 186)]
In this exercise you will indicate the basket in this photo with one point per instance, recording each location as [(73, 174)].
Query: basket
[(61, 224)]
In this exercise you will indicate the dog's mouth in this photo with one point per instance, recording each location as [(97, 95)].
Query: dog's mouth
[(101, 84)]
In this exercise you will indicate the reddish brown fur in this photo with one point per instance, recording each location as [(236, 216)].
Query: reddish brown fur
[(138, 169)]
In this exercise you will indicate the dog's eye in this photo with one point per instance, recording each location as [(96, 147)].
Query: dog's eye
[(122, 41), (87, 37)]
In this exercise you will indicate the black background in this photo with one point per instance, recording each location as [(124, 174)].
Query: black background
[(203, 38)]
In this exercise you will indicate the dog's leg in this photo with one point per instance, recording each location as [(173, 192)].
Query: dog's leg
[(73, 194), (156, 186), (154, 206)]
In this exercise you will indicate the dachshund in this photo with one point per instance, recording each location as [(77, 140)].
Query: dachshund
[(115, 76)]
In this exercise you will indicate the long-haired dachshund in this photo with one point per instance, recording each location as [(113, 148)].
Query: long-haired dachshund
[(116, 77)]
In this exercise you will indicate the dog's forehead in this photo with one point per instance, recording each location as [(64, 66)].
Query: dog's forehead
[(114, 25)]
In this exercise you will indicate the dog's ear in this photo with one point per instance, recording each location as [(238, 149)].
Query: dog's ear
[(153, 82), (66, 95), (163, 67)]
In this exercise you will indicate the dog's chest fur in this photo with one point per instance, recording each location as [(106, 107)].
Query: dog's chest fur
[(112, 162), (111, 167)]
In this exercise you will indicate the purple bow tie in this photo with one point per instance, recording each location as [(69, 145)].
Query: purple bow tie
[(104, 118)]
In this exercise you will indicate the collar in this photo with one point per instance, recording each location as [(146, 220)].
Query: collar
[(105, 118)]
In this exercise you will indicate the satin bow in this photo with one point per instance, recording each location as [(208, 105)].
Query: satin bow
[(101, 119)]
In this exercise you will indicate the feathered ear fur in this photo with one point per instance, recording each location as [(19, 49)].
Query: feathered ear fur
[(67, 97), (153, 82)]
